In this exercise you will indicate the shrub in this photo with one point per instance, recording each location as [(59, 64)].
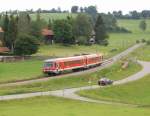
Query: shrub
[(137, 41), (26, 45), (148, 42), (143, 40), (103, 42), (82, 40)]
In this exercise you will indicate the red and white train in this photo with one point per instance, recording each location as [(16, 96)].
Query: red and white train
[(58, 65)]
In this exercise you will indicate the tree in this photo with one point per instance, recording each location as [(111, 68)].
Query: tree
[(134, 14), (12, 31), (100, 32), (63, 31), (74, 9), (81, 9), (50, 24), (92, 11), (82, 27), (118, 14), (5, 28), (26, 45), (37, 26), (24, 23), (143, 25)]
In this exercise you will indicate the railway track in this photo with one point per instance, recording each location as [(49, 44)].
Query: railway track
[(106, 63)]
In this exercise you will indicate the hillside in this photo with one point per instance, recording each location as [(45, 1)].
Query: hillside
[(53, 16)]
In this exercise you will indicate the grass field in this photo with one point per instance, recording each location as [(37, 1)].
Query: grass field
[(119, 41), (50, 106), (114, 72), (53, 16), (134, 93), (127, 93), (142, 53), (133, 25), (32, 69), (20, 70)]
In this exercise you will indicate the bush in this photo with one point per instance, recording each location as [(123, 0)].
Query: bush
[(82, 40), (26, 45), (118, 29), (137, 41), (148, 42), (143, 40), (103, 42)]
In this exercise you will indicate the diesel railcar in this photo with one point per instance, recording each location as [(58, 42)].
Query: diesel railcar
[(58, 65)]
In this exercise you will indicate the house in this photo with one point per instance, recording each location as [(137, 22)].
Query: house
[(1, 35), (48, 36), (2, 49)]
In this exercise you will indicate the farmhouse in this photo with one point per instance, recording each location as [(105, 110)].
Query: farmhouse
[(2, 49), (48, 36)]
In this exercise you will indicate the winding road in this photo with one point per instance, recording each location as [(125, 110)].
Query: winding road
[(71, 93)]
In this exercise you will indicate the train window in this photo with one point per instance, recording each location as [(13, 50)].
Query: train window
[(48, 64), (68, 63)]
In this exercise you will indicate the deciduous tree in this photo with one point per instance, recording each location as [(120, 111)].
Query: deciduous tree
[(63, 31)]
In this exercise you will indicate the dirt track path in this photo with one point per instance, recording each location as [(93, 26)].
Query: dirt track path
[(107, 63)]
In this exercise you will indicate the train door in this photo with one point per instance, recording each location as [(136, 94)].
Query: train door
[(86, 61)]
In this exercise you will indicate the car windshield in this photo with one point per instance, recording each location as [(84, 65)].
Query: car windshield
[(48, 64)]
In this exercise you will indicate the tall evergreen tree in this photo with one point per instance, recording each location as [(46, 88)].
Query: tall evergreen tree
[(5, 27), (100, 31), (12, 31)]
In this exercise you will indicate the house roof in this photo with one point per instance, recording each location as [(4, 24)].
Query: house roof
[(4, 49), (1, 30), (47, 32), (1, 44)]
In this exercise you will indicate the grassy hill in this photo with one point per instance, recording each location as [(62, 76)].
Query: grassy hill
[(21, 70), (52, 106), (114, 72), (142, 53), (135, 92), (132, 93), (53, 16), (133, 25)]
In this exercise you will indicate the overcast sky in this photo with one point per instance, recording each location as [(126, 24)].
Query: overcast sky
[(102, 5)]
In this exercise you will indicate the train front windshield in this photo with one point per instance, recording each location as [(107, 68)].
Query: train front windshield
[(48, 64)]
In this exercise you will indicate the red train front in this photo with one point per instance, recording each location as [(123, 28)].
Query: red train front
[(59, 65)]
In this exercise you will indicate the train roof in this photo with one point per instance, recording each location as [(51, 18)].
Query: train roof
[(60, 59), (70, 58)]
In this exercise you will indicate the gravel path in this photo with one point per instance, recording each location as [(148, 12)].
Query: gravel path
[(106, 63)]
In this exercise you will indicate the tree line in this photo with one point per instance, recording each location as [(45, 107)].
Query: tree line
[(131, 15), (23, 35)]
